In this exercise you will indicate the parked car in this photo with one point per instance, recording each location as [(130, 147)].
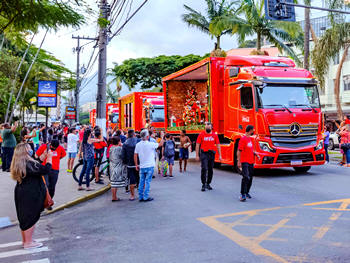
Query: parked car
[(334, 141)]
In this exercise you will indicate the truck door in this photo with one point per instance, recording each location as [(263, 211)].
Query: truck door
[(246, 111)]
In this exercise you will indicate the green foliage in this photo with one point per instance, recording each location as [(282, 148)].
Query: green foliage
[(22, 15), (250, 20), (84, 118), (103, 22), (46, 67), (148, 72), (333, 41), (216, 11), (248, 44), (187, 128)]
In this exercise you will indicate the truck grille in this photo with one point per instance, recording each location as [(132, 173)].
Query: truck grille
[(294, 135), (288, 157)]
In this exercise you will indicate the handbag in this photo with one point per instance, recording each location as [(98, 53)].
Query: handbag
[(48, 200)]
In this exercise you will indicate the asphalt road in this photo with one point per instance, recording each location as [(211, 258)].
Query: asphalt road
[(291, 218)]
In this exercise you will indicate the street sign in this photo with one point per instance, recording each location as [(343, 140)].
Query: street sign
[(278, 10), (47, 93), (70, 113)]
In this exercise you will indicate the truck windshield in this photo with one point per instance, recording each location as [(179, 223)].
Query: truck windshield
[(282, 96), (157, 114), (114, 117)]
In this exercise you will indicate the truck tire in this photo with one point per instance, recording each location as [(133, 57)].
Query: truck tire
[(302, 169), (331, 144), (217, 165)]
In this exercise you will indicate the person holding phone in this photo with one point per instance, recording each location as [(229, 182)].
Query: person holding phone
[(58, 153)]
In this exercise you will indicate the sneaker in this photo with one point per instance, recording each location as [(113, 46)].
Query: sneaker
[(149, 199), (33, 245), (99, 182), (242, 198), (171, 176), (203, 188), (209, 187), (248, 196)]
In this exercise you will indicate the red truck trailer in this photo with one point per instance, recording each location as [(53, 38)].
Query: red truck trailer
[(112, 115), (137, 107), (280, 100)]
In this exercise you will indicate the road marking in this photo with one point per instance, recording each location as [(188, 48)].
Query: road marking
[(44, 260), (241, 240), (19, 243), (325, 228), (21, 252), (253, 243)]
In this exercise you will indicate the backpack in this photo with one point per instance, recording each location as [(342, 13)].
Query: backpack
[(169, 149)]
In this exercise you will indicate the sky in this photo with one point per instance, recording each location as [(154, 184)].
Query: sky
[(157, 29)]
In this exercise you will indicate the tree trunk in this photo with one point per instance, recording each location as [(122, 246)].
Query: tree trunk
[(307, 38), (218, 44), (258, 41), (313, 35), (337, 83)]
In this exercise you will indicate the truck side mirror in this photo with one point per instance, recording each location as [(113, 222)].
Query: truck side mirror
[(233, 72)]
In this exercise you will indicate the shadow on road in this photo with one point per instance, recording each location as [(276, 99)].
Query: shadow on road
[(276, 172)]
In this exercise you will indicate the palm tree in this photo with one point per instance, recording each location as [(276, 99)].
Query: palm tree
[(113, 95), (216, 10), (250, 20), (334, 40)]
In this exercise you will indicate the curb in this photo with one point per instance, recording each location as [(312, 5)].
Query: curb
[(79, 200), (70, 204)]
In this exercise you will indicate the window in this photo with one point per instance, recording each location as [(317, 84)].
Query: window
[(246, 98), (336, 59), (346, 81)]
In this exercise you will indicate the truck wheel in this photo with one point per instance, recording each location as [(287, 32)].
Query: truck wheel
[(217, 165), (331, 144), (303, 169)]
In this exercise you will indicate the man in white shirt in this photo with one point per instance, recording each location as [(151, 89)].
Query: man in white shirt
[(72, 148), (145, 152)]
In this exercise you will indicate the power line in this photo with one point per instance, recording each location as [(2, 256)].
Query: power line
[(127, 20)]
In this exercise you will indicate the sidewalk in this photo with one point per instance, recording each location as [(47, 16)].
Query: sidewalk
[(66, 192)]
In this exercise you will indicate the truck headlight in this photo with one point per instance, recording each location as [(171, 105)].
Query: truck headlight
[(265, 146), (319, 146)]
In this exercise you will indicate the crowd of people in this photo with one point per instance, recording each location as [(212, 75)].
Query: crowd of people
[(132, 161)]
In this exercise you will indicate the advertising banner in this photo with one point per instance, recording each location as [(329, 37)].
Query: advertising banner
[(47, 93)]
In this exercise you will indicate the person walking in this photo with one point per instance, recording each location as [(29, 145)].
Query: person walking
[(206, 146), (344, 132), (326, 135), (145, 152), (58, 153), (8, 145), (128, 151), (86, 150), (99, 153), (245, 162), (118, 169), (72, 148), (169, 153), (30, 191), (185, 143)]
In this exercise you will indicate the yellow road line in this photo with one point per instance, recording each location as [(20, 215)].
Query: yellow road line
[(241, 240)]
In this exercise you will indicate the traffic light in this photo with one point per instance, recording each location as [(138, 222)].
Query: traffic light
[(278, 10)]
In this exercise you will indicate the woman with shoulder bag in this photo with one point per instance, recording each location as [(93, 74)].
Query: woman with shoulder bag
[(30, 190), (345, 143)]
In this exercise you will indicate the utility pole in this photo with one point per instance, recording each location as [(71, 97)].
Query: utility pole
[(78, 81), (102, 67)]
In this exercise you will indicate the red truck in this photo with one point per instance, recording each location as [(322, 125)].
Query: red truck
[(112, 115), (137, 107), (270, 93)]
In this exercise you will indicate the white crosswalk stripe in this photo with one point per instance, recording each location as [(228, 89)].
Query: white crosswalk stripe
[(21, 252), (44, 260), (14, 249), (18, 243)]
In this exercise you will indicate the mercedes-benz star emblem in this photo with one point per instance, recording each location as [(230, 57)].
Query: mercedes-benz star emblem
[(294, 129)]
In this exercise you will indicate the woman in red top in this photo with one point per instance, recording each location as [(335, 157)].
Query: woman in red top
[(344, 142), (99, 151)]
